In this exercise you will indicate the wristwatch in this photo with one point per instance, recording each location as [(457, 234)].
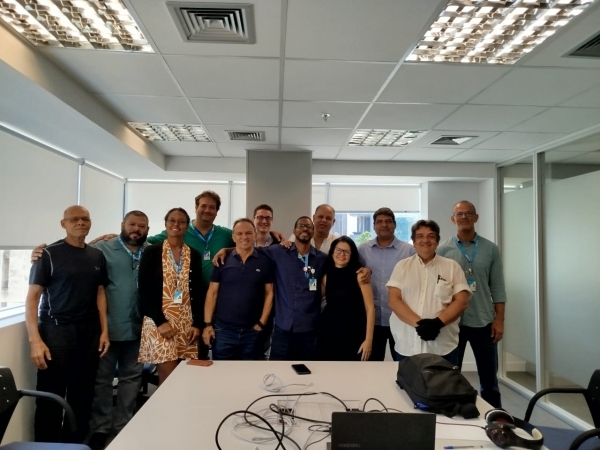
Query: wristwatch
[(208, 324), (260, 325)]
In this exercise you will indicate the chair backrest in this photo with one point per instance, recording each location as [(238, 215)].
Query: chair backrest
[(9, 397), (592, 397)]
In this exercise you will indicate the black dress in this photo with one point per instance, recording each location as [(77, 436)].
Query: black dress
[(344, 320)]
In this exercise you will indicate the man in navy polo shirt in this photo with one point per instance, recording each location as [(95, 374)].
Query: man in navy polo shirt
[(239, 298)]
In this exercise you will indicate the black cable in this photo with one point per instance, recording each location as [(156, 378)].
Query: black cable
[(279, 439), (316, 442), (375, 400)]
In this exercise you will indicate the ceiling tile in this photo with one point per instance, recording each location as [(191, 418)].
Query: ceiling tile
[(115, 72), (314, 136), (561, 120), (334, 80), (488, 118), (439, 83), (237, 112), (431, 136), (238, 150), (142, 108), (490, 156), (188, 148), (588, 99), (159, 23), (244, 78), (428, 154), (310, 114), (318, 29), (587, 144), (318, 151), (538, 86), (518, 141), (406, 116), (368, 153), (554, 157), (219, 133)]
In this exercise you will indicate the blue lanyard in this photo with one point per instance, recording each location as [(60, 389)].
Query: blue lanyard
[(305, 260), (471, 258), (135, 256), (206, 240), (177, 266)]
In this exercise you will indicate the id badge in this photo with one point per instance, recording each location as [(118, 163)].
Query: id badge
[(472, 284), (178, 297), (206, 255), (312, 284)]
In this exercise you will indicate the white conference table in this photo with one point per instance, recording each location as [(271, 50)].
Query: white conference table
[(185, 411)]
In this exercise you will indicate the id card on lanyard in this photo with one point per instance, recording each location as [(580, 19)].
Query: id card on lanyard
[(471, 281), (309, 272), (135, 259), (206, 240), (178, 294)]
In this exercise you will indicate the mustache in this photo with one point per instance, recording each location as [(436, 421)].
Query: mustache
[(125, 237)]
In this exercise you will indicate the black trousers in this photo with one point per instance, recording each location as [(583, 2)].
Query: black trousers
[(71, 374), (381, 336)]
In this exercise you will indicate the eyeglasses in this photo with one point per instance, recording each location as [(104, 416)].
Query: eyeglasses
[(339, 252), (77, 219), (464, 214), (305, 226), (263, 218)]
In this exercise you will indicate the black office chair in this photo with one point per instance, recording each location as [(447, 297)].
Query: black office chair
[(561, 439), (10, 396)]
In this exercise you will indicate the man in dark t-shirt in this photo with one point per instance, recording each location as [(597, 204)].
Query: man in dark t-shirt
[(71, 330)]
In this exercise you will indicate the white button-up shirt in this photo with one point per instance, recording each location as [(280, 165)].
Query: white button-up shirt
[(427, 289)]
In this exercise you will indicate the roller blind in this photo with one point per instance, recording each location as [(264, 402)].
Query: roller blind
[(370, 198), (102, 195)]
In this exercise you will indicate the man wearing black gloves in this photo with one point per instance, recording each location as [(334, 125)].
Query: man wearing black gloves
[(427, 294)]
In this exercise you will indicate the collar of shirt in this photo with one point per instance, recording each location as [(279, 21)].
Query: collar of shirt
[(237, 255), (373, 243), (468, 242), (312, 251), (430, 263)]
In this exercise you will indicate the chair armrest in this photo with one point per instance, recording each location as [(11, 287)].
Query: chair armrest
[(584, 437), (53, 397), (543, 392)]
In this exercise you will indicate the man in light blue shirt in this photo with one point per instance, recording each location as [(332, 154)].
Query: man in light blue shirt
[(381, 256)]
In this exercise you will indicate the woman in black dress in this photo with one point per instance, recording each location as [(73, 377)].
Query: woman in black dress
[(346, 332)]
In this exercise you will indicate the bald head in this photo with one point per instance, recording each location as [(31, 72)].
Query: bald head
[(324, 218), (77, 223), (76, 210), (465, 203)]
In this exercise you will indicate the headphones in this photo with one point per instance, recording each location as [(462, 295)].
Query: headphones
[(500, 426)]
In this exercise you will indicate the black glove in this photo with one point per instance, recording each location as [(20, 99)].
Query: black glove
[(428, 329)]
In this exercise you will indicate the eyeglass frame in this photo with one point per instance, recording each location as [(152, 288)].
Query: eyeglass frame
[(468, 214), (265, 218)]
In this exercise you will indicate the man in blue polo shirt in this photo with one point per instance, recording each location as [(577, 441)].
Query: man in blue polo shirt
[(241, 290)]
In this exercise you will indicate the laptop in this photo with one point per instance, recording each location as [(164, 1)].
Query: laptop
[(382, 431)]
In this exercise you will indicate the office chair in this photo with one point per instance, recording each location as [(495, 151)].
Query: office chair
[(10, 396), (561, 439)]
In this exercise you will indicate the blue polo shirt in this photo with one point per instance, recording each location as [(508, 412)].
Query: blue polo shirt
[(297, 308), (381, 261), (241, 294)]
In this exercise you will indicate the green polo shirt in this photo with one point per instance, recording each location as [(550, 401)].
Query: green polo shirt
[(487, 268), (220, 239), (124, 314)]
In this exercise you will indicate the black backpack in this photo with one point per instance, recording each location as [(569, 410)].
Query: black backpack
[(435, 385)]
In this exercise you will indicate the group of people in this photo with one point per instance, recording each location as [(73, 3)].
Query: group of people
[(249, 293)]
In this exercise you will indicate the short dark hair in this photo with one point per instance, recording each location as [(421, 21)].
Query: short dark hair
[(181, 210), (465, 201), (243, 219), (263, 206), (325, 205), (384, 212), (427, 224), (135, 212), (209, 194), (354, 263), (301, 217)]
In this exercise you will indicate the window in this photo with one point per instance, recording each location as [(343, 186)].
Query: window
[(359, 225), (14, 278)]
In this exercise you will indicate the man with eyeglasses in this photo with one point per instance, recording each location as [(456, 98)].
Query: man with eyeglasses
[(262, 218), (71, 331), (482, 324), (323, 219)]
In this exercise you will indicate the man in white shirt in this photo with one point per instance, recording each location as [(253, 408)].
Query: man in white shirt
[(324, 218), (427, 294)]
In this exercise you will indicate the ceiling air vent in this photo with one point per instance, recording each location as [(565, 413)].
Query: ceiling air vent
[(591, 48), (452, 140), (214, 22), (246, 135)]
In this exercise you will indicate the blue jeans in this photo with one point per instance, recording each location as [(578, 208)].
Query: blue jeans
[(290, 346), (124, 355), (451, 357), (235, 344), (486, 358)]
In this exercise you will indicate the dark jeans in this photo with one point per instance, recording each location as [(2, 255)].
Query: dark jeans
[(290, 346), (71, 374), (381, 336), (451, 357), (264, 338), (124, 355), (486, 358), (235, 344)]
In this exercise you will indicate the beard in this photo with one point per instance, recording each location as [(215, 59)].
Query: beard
[(130, 241)]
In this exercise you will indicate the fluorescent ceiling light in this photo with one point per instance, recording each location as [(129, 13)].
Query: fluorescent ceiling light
[(87, 24), (171, 132), (493, 31), (384, 138)]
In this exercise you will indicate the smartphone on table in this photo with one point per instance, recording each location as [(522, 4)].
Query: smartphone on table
[(301, 369)]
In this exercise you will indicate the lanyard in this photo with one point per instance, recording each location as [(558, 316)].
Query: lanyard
[(177, 266), (206, 240), (266, 242), (135, 256), (305, 260), (471, 258)]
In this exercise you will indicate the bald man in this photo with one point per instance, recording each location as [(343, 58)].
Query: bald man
[(70, 333)]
